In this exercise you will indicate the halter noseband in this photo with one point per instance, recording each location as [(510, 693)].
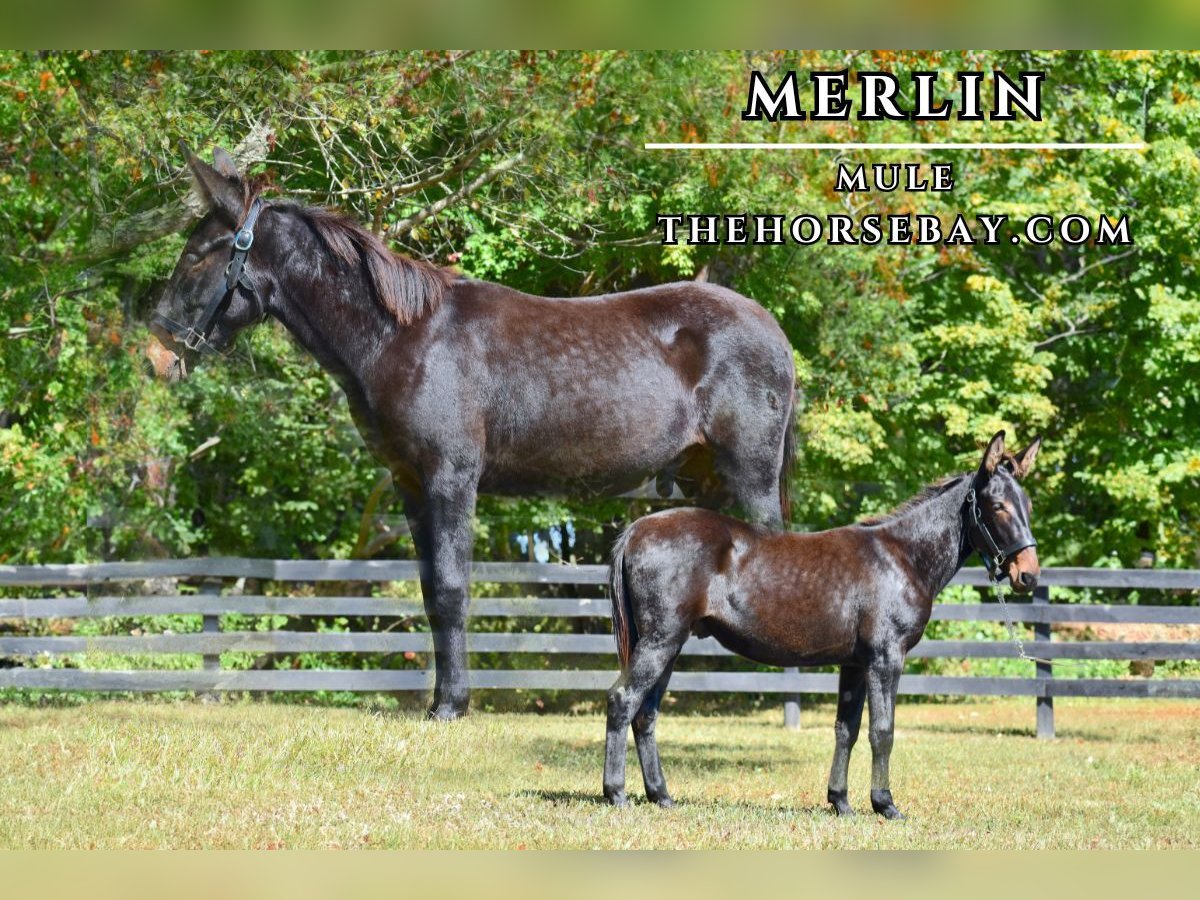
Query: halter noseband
[(993, 554), (195, 337)]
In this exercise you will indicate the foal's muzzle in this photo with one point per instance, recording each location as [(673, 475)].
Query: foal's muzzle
[(1023, 570)]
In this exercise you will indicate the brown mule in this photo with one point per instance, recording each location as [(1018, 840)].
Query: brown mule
[(461, 386)]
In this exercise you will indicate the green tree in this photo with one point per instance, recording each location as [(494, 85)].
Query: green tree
[(528, 168)]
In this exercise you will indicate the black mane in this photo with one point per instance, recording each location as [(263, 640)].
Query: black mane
[(407, 288), (934, 489)]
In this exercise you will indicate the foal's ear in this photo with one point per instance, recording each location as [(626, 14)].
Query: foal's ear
[(1023, 461), (221, 188), (993, 455)]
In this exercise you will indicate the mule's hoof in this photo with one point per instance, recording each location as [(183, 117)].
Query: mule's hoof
[(840, 803), (446, 712)]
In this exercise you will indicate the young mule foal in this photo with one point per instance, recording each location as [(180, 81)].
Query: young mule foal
[(857, 596)]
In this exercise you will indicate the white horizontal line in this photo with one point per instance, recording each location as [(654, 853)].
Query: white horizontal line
[(832, 145)]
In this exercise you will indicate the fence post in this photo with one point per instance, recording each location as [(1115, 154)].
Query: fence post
[(1045, 703), (211, 625), (791, 706)]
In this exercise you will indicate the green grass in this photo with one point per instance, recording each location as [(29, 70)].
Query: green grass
[(242, 774)]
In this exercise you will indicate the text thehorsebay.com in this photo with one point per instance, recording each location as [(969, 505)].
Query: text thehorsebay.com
[(878, 94)]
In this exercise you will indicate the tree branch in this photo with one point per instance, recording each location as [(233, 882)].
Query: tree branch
[(406, 225), (460, 165), (1070, 332), (1075, 276)]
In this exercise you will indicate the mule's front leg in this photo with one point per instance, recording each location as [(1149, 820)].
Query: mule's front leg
[(883, 678), (852, 690), (449, 511)]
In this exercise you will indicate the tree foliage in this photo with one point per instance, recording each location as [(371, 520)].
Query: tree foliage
[(528, 168)]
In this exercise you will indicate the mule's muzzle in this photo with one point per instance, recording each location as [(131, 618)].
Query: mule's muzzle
[(168, 364)]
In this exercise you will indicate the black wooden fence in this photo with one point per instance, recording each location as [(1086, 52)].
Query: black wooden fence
[(85, 587)]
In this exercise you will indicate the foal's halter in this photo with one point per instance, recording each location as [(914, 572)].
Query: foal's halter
[(195, 337), (993, 554)]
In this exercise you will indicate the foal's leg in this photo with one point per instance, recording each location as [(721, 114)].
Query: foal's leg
[(852, 690), (883, 678), (646, 666), (647, 746)]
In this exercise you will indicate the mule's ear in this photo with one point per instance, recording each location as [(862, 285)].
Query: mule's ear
[(993, 454), (224, 194), (1023, 461), (224, 164)]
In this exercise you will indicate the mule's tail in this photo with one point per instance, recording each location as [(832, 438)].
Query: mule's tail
[(789, 460), (624, 630)]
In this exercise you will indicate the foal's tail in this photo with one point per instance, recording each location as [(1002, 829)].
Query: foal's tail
[(624, 630), (789, 460)]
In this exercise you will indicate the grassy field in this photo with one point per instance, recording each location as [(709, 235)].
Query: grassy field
[(113, 774)]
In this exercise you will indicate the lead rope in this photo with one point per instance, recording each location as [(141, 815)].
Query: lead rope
[(1000, 592)]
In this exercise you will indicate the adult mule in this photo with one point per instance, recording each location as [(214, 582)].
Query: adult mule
[(460, 386), (858, 597)]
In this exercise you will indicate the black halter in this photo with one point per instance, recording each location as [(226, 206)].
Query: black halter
[(993, 554), (195, 337)]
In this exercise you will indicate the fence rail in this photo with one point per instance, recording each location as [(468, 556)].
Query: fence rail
[(82, 574), (98, 578)]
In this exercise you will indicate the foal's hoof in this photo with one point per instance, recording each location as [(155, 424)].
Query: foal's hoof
[(881, 802), (840, 803), (446, 712)]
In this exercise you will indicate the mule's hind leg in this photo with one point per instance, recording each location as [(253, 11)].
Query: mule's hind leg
[(647, 746), (647, 665), (852, 690), (883, 678), (747, 428), (751, 477)]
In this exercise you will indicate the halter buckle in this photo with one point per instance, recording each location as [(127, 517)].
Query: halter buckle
[(243, 240), (194, 340)]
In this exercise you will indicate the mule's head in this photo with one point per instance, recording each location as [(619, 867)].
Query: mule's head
[(999, 524), (200, 274)]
